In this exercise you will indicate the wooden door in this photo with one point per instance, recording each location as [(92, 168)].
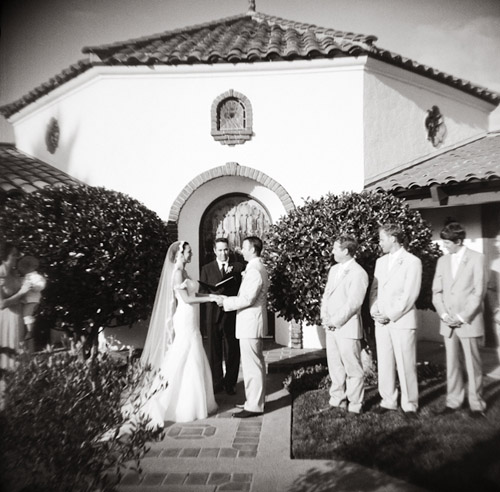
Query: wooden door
[(234, 217)]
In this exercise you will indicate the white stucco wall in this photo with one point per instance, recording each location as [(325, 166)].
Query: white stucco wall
[(146, 132), (396, 105)]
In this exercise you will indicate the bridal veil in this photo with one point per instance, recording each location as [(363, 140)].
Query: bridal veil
[(161, 330)]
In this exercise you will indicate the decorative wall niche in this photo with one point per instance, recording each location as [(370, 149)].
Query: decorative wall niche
[(434, 124), (232, 118), (52, 135)]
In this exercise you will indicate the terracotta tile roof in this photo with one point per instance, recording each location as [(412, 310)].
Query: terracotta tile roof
[(473, 162), (20, 172), (247, 38)]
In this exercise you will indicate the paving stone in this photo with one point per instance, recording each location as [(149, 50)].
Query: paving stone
[(189, 453), (228, 453), (242, 477), (246, 439), (131, 479), (246, 433), (175, 478), (196, 479), (153, 453), (174, 431), (191, 432), (234, 486), (153, 479), (208, 453), (219, 478), (247, 454), (188, 438), (245, 447), (170, 452), (210, 431), (251, 423)]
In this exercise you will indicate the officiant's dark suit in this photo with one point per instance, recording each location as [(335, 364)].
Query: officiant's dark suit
[(222, 342)]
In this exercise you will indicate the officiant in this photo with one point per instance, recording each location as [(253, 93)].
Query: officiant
[(222, 342)]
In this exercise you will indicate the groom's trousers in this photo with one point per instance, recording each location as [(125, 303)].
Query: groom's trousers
[(254, 373)]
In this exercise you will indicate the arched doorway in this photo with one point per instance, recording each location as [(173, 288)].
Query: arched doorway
[(233, 216)]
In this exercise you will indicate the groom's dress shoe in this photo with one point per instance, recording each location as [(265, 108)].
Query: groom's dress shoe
[(244, 414)]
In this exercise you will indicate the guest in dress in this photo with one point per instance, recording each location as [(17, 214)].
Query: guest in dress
[(12, 291)]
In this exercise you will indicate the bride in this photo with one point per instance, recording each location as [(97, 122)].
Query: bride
[(174, 347)]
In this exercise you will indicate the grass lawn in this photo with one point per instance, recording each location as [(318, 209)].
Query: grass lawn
[(439, 453)]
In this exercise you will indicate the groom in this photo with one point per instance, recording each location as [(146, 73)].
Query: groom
[(251, 326)]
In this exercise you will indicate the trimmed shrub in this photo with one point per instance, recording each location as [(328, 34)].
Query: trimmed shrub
[(57, 408), (299, 248), (102, 252)]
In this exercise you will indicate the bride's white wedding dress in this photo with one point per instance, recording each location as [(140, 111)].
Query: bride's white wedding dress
[(181, 390), (189, 393)]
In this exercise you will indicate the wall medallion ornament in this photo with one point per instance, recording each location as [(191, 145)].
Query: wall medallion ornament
[(434, 124), (52, 136), (231, 118)]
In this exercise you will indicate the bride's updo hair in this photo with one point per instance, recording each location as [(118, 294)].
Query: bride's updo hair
[(177, 249)]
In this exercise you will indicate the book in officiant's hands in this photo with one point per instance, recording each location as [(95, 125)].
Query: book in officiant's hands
[(217, 286)]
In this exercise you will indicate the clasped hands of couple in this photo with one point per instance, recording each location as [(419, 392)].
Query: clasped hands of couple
[(218, 298)]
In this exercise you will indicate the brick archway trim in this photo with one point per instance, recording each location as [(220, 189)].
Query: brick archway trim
[(229, 169)]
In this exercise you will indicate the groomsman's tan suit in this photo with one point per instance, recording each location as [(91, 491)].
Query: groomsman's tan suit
[(393, 293), (251, 327), (462, 295), (341, 315)]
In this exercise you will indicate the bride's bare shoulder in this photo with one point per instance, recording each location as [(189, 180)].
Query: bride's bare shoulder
[(179, 278)]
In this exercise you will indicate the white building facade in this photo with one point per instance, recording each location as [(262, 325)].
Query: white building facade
[(218, 143)]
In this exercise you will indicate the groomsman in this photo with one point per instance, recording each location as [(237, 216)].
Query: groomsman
[(251, 326), (458, 292), (395, 288), (222, 343), (341, 316)]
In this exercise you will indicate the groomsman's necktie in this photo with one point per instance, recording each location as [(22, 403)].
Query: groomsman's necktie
[(223, 269)]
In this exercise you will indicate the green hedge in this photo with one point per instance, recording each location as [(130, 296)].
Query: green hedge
[(299, 248), (102, 252), (57, 407)]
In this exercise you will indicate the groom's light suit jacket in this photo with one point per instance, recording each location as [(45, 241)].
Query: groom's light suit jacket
[(343, 298), (462, 295), (395, 291), (251, 301)]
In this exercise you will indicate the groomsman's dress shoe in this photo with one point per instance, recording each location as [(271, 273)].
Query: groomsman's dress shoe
[(218, 388), (230, 390), (477, 414), (411, 414), (245, 414)]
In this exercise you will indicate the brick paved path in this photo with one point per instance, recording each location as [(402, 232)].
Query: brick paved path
[(222, 453)]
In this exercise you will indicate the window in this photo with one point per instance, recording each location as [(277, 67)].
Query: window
[(231, 118)]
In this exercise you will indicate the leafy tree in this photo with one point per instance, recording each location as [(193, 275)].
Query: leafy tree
[(102, 252), (299, 248)]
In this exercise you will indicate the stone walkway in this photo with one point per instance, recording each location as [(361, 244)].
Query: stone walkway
[(222, 453)]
